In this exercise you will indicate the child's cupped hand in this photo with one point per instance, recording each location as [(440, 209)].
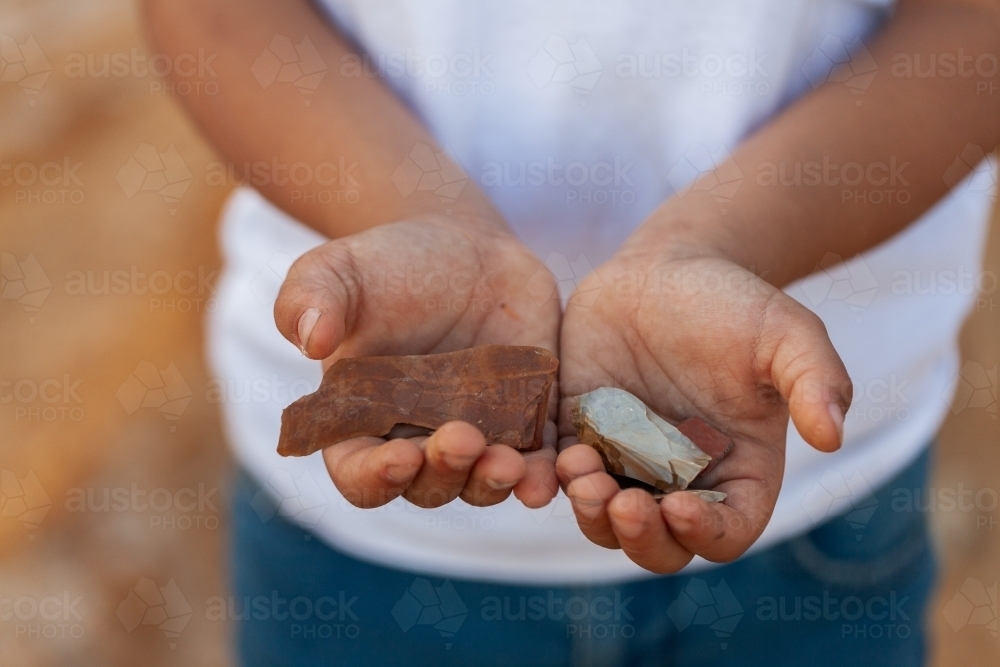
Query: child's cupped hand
[(693, 334), (421, 287)]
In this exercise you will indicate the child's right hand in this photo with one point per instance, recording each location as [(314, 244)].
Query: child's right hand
[(420, 287)]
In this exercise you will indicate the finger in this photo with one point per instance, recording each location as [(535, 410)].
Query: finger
[(493, 476), (566, 442), (369, 472), (449, 455), (807, 372), (590, 489), (540, 485), (714, 531), (590, 496), (317, 300), (698, 526), (643, 535), (577, 461)]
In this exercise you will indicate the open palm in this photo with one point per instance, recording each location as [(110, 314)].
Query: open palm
[(695, 337), (421, 287)]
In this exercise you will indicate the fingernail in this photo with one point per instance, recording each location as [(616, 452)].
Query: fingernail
[(837, 415), (497, 485), (307, 322)]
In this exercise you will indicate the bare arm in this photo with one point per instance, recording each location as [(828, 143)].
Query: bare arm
[(744, 355), (329, 304), (354, 117), (918, 124)]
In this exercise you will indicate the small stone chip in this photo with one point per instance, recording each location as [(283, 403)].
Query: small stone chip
[(637, 443)]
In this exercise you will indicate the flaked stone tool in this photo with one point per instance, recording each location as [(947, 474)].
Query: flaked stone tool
[(503, 390), (636, 443)]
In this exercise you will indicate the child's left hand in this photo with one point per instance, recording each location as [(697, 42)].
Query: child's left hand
[(692, 334)]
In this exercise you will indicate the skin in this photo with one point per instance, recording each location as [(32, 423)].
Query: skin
[(652, 320)]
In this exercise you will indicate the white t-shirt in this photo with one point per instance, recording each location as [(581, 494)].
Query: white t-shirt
[(578, 119)]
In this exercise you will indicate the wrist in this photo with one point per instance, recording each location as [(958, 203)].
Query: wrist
[(472, 222), (688, 226)]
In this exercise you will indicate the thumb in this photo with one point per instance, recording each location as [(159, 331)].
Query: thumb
[(318, 300), (807, 372)]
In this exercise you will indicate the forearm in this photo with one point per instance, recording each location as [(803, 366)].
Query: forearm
[(793, 205), (353, 125)]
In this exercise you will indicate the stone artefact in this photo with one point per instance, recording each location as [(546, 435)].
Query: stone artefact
[(637, 443), (503, 390)]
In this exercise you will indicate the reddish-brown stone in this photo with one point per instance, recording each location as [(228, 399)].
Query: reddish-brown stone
[(710, 440), (503, 390)]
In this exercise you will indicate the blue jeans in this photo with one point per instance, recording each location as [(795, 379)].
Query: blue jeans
[(853, 591)]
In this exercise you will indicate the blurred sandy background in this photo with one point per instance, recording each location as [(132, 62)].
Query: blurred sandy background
[(104, 389)]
